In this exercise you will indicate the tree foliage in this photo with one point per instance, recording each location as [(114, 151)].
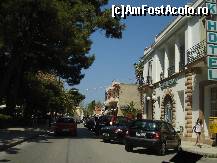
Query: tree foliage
[(51, 36), (91, 107), (131, 110), (45, 93)]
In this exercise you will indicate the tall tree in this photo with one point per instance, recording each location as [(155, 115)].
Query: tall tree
[(49, 35), (91, 107)]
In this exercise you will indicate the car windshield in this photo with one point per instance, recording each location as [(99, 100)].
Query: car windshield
[(145, 125), (65, 120)]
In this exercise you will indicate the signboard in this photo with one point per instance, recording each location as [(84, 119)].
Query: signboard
[(212, 62), (212, 74), (213, 125), (211, 5), (211, 49), (211, 33), (168, 83)]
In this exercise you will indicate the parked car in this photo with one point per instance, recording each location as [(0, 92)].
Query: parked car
[(105, 120), (90, 123), (153, 134), (65, 125), (116, 131)]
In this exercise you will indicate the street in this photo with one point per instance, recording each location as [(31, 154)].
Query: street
[(85, 148)]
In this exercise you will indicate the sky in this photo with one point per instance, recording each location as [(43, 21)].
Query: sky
[(115, 58)]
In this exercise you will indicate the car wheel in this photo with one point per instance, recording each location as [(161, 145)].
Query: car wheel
[(162, 149), (128, 148)]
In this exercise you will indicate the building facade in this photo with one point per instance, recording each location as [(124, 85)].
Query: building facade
[(119, 95), (176, 86)]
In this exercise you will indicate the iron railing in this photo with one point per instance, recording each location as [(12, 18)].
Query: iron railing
[(196, 52)]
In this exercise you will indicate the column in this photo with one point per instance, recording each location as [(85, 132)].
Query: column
[(177, 56), (166, 63)]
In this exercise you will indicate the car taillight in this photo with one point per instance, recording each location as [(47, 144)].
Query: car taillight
[(156, 135)]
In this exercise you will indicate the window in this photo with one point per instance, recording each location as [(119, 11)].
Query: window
[(149, 77), (150, 68), (213, 102), (145, 125)]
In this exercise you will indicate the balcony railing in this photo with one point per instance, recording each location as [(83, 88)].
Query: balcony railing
[(196, 52), (171, 70)]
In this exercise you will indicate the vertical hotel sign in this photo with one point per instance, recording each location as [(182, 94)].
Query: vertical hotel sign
[(211, 31)]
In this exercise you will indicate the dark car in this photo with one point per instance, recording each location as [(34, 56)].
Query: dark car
[(153, 134), (101, 122), (116, 131), (90, 123), (65, 125)]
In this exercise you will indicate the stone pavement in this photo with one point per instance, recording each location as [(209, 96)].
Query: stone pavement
[(204, 149), (12, 136)]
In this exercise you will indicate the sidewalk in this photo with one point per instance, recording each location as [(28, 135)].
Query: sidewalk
[(12, 136), (205, 150)]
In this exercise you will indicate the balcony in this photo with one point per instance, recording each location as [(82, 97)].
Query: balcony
[(197, 52), (171, 70)]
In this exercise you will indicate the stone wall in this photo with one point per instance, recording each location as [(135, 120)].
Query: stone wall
[(188, 106)]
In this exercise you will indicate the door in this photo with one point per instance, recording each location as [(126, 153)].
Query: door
[(168, 113)]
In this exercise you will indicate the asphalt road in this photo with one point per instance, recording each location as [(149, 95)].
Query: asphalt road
[(86, 148)]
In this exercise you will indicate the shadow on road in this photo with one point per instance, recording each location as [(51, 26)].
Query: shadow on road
[(5, 160), (183, 156), (12, 150), (113, 142)]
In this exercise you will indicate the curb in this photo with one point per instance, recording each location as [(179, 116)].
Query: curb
[(12, 144), (204, 154)]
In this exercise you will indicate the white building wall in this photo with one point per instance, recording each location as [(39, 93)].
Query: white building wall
[(192, 36), (180, 111), (154, 69), (158, 66), (145, 70), (195, 28)]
